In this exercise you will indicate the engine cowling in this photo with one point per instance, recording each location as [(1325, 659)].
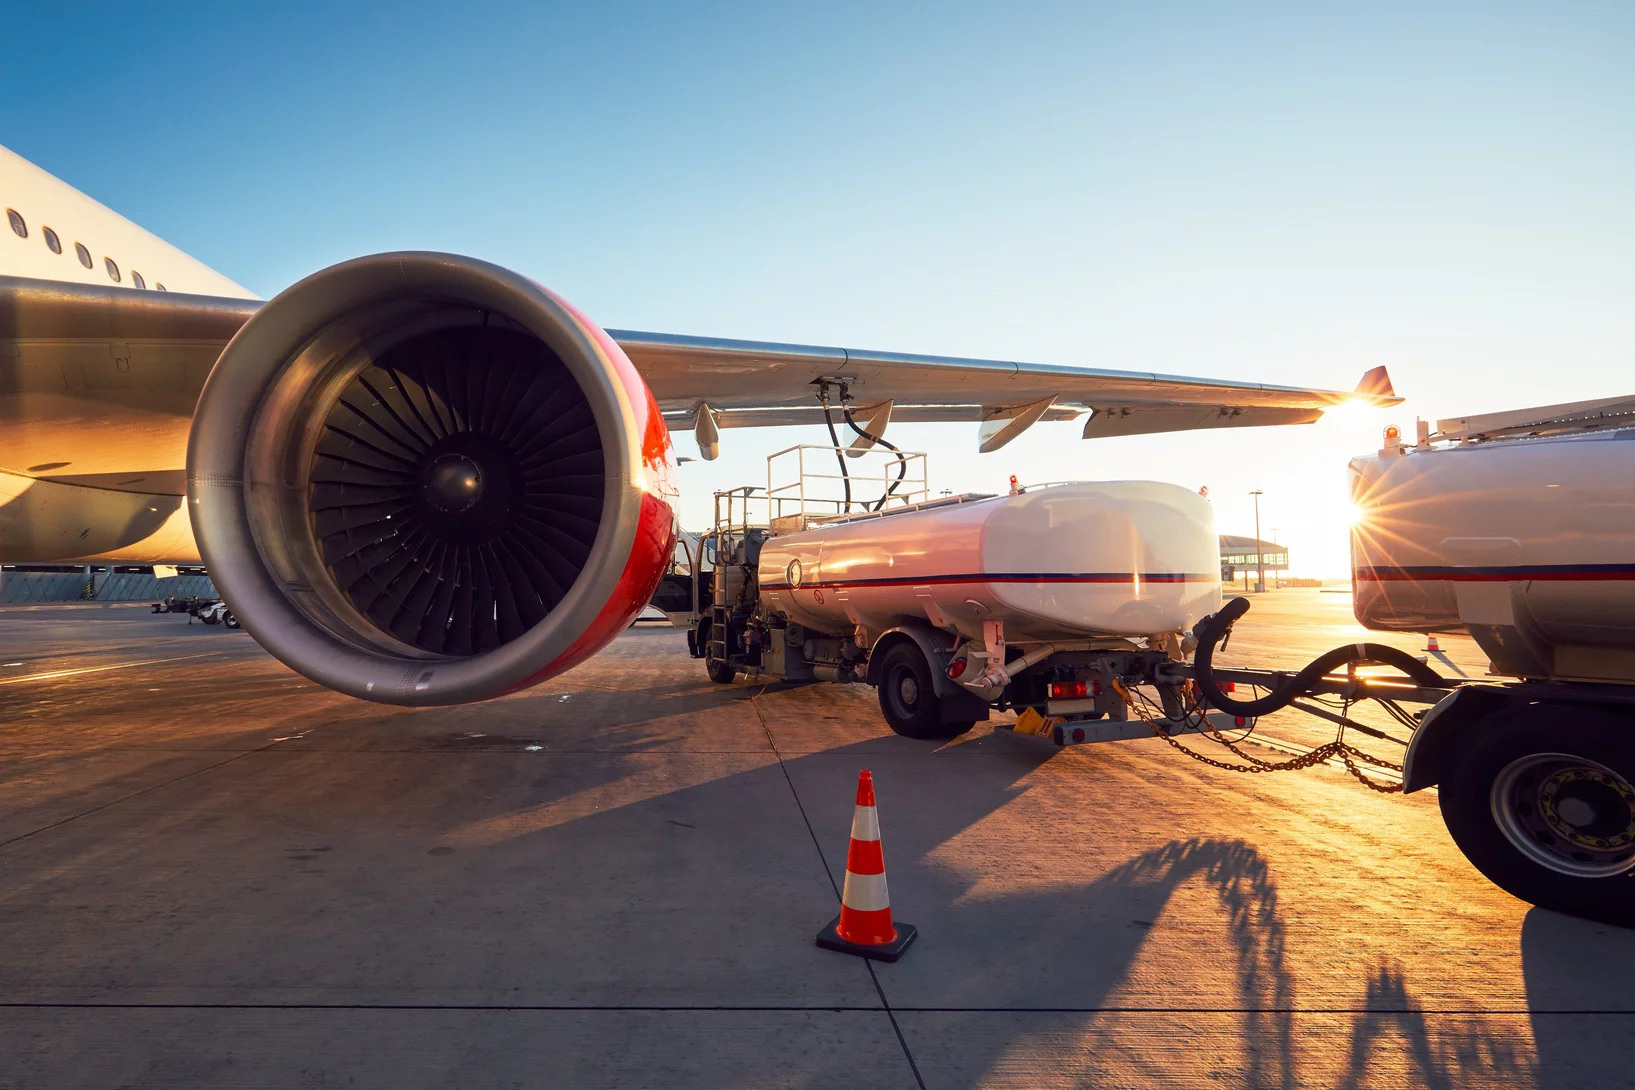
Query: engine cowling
[(424, 479)]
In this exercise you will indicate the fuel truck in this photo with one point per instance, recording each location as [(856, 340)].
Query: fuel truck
[(957, 605)]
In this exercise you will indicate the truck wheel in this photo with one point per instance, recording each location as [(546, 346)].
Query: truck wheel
[(907, 698), (229, 620), (720, 672), (1544, 805)]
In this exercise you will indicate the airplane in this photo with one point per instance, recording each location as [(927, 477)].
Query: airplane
[(421, 478)]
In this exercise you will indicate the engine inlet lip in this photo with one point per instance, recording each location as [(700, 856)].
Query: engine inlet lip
[(282, 365)]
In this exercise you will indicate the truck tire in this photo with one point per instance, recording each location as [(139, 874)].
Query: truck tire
[(1544, 806), (229, 620), (907, 698), (720, 671)]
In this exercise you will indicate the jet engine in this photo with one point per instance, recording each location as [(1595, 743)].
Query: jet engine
[(424, 479)]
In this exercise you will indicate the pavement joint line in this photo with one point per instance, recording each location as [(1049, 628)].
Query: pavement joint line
[(51, 675), (1507, 1012), (885, 1004)]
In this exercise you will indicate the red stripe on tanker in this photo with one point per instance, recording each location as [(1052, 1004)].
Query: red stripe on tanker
[(1534, 537), (1126, 558)]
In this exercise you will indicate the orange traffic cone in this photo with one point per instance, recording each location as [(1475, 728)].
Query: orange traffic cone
[(864, 925), (1432, 645)]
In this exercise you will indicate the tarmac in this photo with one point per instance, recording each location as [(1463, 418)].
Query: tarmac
[(216, 874)]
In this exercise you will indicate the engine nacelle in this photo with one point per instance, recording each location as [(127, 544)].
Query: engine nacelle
[(425, 479)]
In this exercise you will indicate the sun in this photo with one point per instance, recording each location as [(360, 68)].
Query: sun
[(1351, 409)]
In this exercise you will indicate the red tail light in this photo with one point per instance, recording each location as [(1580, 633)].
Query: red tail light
[(956, 668), (1069, 690)]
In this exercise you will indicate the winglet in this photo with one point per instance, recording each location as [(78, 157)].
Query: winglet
[(1376, 387)]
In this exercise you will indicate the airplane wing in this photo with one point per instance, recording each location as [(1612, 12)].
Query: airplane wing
[(144, 356), (707, 384)]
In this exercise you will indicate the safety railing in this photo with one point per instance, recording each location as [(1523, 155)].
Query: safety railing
[(808, 484)]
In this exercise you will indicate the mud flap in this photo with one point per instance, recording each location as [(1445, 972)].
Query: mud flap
[(961, 706)]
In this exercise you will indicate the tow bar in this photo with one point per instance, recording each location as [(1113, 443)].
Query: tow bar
[(1207, 709)]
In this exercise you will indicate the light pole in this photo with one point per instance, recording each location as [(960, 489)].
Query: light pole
[(1260, 566)]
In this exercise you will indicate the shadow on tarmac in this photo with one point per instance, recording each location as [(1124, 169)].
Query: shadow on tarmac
[(1585, 1038), (1082, 942)]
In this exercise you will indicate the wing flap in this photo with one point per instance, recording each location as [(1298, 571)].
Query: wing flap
[(1148, 419)]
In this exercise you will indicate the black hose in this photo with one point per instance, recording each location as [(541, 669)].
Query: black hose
[(1209, 631), (834, 439), (902, 463)]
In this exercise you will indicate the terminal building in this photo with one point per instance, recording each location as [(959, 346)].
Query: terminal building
[(1239, 559)]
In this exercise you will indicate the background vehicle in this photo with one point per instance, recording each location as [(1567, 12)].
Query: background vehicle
[(212, 611)]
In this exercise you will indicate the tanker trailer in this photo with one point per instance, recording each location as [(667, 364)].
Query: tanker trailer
[(1519, 528), (1036, 600)]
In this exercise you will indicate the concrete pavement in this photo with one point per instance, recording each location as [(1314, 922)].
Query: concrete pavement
[(215, 874)]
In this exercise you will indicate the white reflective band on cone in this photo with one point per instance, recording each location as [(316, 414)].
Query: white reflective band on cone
[(865, 823), (865, 892)]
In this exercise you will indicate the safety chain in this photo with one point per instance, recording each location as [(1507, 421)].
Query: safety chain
[(1322, 753)]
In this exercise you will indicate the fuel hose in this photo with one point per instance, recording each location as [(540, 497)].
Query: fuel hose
[(834, 438), (902, 463), (1209, 631)]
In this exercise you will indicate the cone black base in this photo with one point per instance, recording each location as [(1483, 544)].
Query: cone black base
[(829, 938)]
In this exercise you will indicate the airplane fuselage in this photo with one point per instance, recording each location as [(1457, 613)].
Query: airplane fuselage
[(93, 446)]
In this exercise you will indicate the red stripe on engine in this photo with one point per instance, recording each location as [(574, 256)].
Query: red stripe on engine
[(655, 540)]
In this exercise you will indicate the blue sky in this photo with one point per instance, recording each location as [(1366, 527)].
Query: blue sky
[(1290, 193)]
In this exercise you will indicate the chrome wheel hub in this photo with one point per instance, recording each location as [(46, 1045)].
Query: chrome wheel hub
[(1570, 814), (908, 690)]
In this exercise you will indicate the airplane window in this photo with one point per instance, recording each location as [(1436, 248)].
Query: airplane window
[(17, 223), (53, 243), (83, 254), (113, 269), (136, 278)]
